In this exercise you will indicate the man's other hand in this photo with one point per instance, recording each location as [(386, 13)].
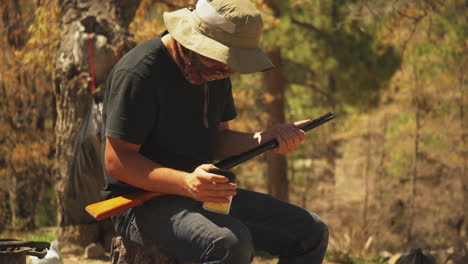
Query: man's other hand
[(289, 136), (205, 186)]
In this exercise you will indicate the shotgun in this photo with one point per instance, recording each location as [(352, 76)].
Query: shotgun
[(107, 208)]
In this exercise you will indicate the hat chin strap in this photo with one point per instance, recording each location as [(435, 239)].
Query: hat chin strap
[(209, 14)]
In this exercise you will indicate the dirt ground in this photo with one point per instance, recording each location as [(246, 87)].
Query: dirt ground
[(71, 259)]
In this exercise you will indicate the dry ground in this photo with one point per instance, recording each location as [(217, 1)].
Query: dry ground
[(70, 259), (80, 260)]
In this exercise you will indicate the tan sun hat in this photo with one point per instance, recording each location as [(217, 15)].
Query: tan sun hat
[(224, 30)]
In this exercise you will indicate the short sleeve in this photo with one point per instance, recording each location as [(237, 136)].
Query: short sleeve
[(229, 112), (131, 107)]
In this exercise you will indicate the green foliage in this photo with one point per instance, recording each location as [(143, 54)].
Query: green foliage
[(401, 120), (333, 53), (47, 209), (148, 22), (42, 234), (434, 142)]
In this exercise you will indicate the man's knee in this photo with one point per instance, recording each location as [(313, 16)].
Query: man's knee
[(312, 245), (233, 247), (322, 247), (317, 243)]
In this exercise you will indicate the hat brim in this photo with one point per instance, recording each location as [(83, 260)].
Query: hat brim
[(242, 60)]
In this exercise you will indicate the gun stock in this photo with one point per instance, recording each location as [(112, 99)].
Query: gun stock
[(107, 208)]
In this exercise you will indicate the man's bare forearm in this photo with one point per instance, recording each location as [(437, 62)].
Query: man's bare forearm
[(129, 166), (124, 162), (230, 142)]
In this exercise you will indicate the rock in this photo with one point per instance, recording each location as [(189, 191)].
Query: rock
[(451, 251), (385, 254), (72, 236), (71, 249), (441, 256), (94, 251), (53, 255), (417, 256), (394, 258)]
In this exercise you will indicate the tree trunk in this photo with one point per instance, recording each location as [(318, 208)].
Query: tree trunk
[(103, 27), (274, 98), (463, 135), (331, 152), (367, 191), (414, 175), (19, 258), (16, 26)]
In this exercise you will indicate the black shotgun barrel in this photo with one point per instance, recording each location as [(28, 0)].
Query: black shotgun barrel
[(228, 163)]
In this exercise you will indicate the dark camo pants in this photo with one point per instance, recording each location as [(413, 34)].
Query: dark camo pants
[(180, 227)]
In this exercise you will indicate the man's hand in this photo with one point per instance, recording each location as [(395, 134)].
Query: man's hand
[(204, 186), (289, 136)]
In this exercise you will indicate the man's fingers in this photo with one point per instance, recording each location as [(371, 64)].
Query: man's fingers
[(299, 136), (215, 196), (301, 122), (210, 178), (219, 194), (288, 138), (292, 137), (218, 186), (206, 167), (205, 175)]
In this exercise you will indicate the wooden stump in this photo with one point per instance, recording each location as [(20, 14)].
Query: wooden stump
[(14, 251), (19, 258), (126, 252)]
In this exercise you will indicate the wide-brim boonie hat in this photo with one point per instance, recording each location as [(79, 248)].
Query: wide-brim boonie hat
[(224, 30)]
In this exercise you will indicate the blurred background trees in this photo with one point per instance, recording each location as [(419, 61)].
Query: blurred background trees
[(389, 173), (27, 40)]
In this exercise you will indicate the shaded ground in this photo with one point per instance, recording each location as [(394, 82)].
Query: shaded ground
[(80, 260), (48, 234), (70, 259)]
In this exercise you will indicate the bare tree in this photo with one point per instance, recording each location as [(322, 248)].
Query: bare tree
[(278, 184), (416, 157), (462, 80), (277, 164), (87, 27)]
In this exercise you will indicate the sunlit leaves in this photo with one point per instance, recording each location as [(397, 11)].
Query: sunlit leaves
[(26, 104)]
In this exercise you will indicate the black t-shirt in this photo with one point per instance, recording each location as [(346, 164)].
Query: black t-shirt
[(149, 102)]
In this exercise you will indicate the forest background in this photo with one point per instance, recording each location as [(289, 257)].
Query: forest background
[(389, 173)]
